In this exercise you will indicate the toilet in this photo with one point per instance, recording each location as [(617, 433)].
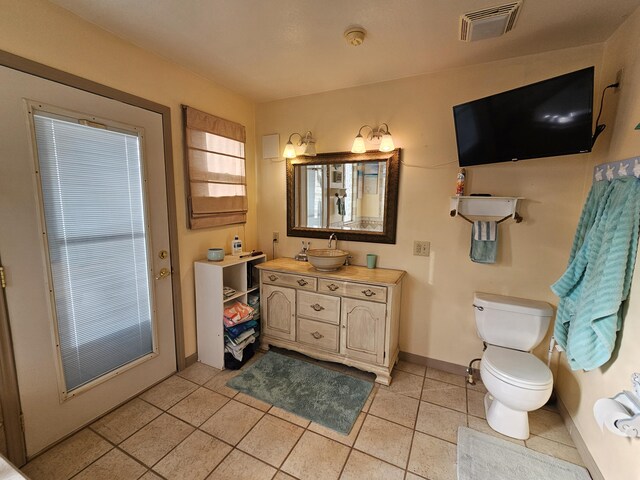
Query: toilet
[(517, 381)]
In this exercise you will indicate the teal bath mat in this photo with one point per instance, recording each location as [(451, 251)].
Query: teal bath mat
[(310, 391), (483, 457)]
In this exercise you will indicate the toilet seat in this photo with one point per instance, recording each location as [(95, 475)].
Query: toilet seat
[(520, 369)]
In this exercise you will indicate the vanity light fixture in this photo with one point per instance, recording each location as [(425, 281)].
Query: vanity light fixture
[(379, 134), (309, 146)]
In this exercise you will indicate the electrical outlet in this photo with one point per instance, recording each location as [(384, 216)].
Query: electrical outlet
[(421, 248), (276, 237)]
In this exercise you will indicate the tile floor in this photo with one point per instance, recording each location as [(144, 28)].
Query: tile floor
[(192, 426)]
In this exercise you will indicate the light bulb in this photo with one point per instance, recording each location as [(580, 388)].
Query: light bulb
[(386, 144), (289, 150), (358, 145)]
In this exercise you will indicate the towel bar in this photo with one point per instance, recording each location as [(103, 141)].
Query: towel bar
[(516, 216)]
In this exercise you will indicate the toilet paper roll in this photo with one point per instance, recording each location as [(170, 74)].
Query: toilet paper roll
[(607, 411)]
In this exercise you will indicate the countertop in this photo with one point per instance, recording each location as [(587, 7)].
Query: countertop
[(350, 273)]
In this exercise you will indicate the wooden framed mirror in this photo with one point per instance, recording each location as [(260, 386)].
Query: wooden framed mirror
[(354, 195)]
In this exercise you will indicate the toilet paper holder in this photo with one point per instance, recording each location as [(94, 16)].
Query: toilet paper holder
[(629, 426), (631, 401)]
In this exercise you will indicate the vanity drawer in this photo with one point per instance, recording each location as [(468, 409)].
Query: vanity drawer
[(318, 334), (375, 293), (289, 280), (321, 307)]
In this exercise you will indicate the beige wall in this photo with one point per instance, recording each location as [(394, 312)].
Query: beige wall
[(617, 458), (40, 31), (437, 317)]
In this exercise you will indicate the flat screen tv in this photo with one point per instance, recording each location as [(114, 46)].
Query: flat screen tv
[(544, 119)]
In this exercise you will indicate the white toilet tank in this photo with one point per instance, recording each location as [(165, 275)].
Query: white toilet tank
[(511, 322)]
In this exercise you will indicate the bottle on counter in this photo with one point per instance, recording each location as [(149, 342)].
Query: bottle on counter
[(236, 246), (460, 183)]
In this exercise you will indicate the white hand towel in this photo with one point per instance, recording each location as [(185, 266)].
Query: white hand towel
[(485, 231)]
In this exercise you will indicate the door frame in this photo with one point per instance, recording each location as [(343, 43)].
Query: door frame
[(8, 379), (9, 393)]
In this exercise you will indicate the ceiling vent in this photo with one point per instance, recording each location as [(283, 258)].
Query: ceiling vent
[(489, 22)]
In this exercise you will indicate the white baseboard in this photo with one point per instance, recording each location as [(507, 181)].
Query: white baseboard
[(579, 442), (437, 364)]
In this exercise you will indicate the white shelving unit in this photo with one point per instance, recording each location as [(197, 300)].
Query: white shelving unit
[(211, 277)]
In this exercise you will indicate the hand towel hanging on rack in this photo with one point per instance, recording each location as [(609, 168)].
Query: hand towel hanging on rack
[(340, 205), (484, 242), (485, 230)]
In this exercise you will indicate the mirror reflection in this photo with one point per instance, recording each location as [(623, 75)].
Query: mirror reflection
[(352, 195), (341, 196)]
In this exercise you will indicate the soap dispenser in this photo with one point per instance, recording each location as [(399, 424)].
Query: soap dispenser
[(236, 246), (302, 256)]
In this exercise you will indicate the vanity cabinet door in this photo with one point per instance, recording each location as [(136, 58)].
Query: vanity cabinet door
[(362, 332), (279, 311)]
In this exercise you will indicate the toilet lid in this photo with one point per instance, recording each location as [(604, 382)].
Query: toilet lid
[(517, 368)]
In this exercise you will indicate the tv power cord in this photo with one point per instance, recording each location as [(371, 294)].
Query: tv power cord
[(600, 127)]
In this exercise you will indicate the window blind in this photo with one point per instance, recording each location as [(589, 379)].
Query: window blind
[(92, 194), (216, 168)]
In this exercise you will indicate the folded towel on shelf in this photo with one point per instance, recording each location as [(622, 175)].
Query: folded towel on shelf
[(237, 313), (237, 330), (485, 231), (238, 350), (484, 251), (240, 338), (253, 300)]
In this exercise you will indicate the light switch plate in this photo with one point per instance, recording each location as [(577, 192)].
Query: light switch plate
[(421, 248)]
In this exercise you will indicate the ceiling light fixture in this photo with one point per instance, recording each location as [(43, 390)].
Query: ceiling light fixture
[(355, 35), (309, 146), (379, 134)]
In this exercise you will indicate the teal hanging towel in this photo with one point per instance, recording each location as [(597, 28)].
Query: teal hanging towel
[(598, 278), (484, 242)]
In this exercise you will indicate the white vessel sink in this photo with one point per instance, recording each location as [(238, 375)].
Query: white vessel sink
[(327, 259)]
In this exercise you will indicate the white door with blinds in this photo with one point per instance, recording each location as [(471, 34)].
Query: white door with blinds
[(84, 240)]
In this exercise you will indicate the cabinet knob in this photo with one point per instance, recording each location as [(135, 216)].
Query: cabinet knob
[(302, 282), (273, 278), (333, 287), (368, 292), (317, 307), (317, 335)]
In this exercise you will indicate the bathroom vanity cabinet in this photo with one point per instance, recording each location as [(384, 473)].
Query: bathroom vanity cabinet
[(350, 316)]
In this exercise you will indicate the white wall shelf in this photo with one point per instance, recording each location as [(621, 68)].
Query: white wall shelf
[(504, 207)]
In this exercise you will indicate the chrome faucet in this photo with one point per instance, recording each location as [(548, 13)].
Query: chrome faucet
[(331, 238)]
